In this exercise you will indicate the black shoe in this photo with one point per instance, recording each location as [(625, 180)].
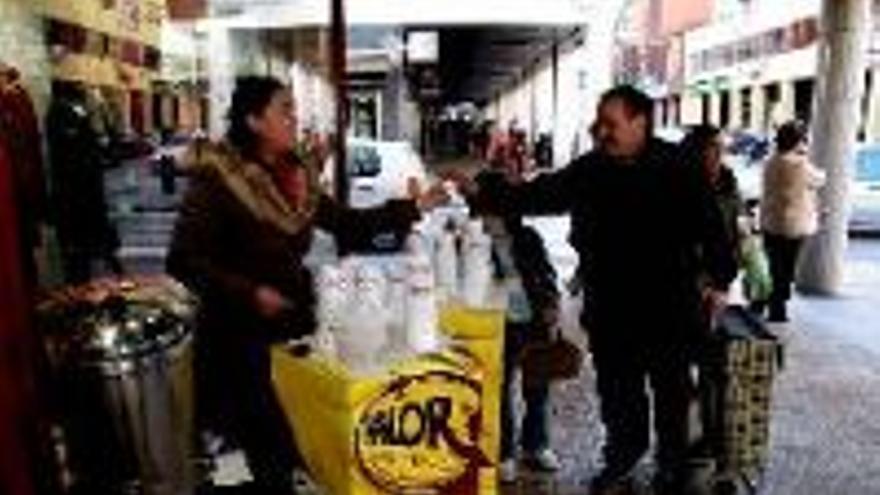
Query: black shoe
[(669, 484), (612, 482), (778, 313), (777, 317), (758, 307)]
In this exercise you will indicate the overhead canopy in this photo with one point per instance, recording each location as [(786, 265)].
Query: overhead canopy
[(477, 62), (410, 13)]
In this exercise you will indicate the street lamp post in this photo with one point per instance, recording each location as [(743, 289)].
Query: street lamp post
[(338, 76), (840, 87)]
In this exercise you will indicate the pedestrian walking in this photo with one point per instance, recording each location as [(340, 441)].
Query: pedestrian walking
[(639, 220), (703, 148), (76, 159), (789, 211)]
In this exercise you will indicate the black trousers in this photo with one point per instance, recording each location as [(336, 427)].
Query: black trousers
[(534, 433), (782, 253), (625, 368), (236, 397)]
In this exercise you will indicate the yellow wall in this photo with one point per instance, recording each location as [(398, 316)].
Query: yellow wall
[(22, 45), (145, 27)]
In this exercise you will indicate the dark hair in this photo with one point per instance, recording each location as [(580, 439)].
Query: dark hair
[(636, 101), (71, 91), (251, 96), (698, 139), (790, 135)]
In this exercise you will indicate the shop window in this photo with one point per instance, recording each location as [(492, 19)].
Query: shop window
[(676, 110), (59, 33), (803, 33), (106, 45), (724, 110), (152, 58), (745, 50), (772, 97), (132, 53), (865, 106), (138, 111), (745, 115), (706, 106), (803, 99), (775, 41)]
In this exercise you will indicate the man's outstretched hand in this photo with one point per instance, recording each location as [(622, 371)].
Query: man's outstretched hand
[(435, 196), (463, 181)]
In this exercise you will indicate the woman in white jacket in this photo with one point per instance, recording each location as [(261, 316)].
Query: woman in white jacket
[(789, 211)]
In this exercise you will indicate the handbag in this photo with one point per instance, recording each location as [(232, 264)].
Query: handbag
[(554, 359)]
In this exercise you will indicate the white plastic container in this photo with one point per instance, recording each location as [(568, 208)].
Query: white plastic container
[(446, 265), (365, 331), (396, 295), (421, 307), (476, 265)]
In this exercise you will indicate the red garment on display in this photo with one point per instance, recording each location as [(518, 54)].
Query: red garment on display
[(20, 130), (16, 378)]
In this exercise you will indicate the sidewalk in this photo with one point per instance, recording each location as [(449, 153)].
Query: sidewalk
[(826, 434)]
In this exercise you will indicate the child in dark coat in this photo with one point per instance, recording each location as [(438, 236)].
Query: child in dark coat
[(523, 268)]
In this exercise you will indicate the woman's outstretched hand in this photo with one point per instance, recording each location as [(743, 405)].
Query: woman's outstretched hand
[(435, 196), (269, 302)]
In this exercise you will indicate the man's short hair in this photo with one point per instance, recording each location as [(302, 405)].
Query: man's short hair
[(635, 101)]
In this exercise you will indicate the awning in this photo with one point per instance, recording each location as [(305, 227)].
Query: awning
[(257, 14)]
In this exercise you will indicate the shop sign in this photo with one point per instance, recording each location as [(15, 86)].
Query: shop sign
[(420, 435), (423, 47)]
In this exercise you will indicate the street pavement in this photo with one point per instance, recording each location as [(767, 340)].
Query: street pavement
[(825, 431)]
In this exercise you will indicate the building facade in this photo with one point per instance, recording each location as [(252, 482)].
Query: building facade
[(751, 65), (753, 68)]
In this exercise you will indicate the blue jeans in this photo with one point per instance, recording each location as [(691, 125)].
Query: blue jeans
[(535, 427)]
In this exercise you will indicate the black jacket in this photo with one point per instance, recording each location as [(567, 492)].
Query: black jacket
[(639, 229)]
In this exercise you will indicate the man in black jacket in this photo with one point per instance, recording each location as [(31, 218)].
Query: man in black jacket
[(645, 227)]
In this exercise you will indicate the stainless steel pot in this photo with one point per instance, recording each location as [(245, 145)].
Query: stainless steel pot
[(123, 376)]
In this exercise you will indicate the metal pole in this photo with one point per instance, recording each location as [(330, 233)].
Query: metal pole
[(841, 71), (338, 76), (554, 72)]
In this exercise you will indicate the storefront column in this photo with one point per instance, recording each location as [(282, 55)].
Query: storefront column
[(873, 127), (735, 122), (220, 76), (786, 110), (691, 108), (715, 108), (759, 105), (845, 26)]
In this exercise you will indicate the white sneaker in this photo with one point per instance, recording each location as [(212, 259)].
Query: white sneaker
[(544, 461), (507, 471)]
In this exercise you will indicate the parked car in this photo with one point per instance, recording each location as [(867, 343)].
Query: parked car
[(755, 147), (864, 190), (865, 215), (671, 134), (172, 150), (380, 170)]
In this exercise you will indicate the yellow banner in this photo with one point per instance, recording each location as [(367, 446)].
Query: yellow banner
[(427, 426)]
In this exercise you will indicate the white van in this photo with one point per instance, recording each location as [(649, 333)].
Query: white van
[(380, 170)]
